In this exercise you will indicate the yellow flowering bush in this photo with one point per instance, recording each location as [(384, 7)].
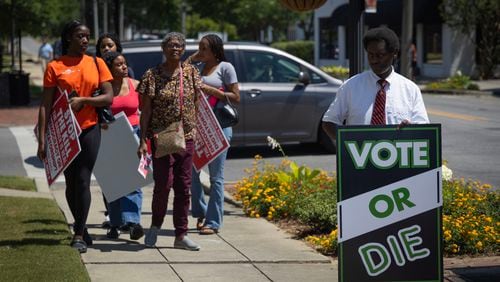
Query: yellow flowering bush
[(326, 244), (260, 192), (276, 192), (470, 218), (287, 191)]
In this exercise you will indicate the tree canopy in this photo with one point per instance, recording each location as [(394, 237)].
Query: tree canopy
[(36, 17), (240, 19)]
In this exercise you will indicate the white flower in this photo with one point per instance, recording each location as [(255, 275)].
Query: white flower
[(447, 173), (272, 142)]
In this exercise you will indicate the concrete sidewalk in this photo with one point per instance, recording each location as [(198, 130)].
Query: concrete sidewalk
[(246, 249)]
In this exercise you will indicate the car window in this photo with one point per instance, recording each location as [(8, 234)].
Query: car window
[(315, 78), (142, 61), (230, 57), (268, 67)]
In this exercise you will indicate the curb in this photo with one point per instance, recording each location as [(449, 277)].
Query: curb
[(205, 183), (24, 194), (41, 185), (458, 92)]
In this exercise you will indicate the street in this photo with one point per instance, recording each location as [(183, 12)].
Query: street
[(470, 135)]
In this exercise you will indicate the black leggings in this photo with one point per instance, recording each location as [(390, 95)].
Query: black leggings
[(78, 175)]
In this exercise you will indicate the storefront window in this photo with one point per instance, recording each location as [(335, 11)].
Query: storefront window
[(433, 52), (328, 38)]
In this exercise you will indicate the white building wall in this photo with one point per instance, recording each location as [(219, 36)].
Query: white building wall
[(326, 11), (458, 49), (462, 52)]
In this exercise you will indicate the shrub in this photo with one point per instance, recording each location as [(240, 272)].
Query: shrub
[(456, 82), (301, 49), (471, 210), (471, 213), (283, 191), (318, 209), (337, 71)]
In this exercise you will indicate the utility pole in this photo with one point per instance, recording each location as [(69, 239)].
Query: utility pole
[(121, 16), (82, 11), (95, 8), (116, 17), (12, 35), (406, 38), (105, 19), (183, 17), (355, 36)]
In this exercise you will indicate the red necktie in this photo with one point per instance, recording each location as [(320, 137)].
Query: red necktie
[(378, 115)]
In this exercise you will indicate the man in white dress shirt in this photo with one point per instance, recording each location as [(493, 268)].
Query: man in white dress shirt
[(356, 97)]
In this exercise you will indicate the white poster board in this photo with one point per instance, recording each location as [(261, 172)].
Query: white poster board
[(116, 165)]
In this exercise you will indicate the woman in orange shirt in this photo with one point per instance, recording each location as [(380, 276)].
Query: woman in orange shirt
[(81, 74)]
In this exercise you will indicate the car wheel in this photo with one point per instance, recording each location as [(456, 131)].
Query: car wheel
[(326, 142)]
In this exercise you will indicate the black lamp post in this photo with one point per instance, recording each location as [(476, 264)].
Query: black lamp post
[(355, 36)]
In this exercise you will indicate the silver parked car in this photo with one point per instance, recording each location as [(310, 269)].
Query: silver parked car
[(281, 95)]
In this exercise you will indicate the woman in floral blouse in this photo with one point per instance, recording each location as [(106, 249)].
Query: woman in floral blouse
[(160, 89)]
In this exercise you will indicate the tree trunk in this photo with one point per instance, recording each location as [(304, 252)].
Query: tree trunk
[(406, 38)]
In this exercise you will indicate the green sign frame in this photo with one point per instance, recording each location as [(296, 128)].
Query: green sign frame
[(389, 203)]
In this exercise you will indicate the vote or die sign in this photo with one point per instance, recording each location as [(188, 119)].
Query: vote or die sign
[(389, 203), (61, 138)]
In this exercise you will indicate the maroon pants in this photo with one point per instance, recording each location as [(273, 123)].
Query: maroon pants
[(173, 171)]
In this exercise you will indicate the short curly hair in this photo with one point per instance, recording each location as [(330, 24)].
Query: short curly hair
[(382, 34), (111, 36), (179, 36)]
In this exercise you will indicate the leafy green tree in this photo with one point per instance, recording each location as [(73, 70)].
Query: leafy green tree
[(220, 12), (36, 17), (151, 15), (249, 16), (195, 24), (257, 15), (482, 16)]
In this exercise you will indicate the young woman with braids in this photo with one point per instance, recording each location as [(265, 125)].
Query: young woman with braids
[(75, 71), (219, 83)]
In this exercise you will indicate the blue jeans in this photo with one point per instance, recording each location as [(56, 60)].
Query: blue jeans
[(214, 211), (126, 209)]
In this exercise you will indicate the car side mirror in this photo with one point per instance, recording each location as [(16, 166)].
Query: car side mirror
[(304, 78)]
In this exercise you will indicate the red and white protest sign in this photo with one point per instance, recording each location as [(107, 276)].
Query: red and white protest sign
[(61, 138), (210, 141)]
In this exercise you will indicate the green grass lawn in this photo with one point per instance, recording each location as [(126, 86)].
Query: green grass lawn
[(34, 242), (17, 182)]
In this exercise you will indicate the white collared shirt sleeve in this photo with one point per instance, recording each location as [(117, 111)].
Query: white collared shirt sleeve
[(419, 114), (337, 112)]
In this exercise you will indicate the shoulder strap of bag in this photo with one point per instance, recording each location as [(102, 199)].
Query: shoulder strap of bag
[(97, 67), (98, 73), (181, 89)]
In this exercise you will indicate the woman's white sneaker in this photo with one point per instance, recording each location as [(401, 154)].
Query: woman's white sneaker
[(186, 244)]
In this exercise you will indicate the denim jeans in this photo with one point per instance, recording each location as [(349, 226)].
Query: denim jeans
[(214, 211), (126, 209)]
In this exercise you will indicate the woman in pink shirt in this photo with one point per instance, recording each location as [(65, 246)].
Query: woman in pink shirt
[(124, 213)]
